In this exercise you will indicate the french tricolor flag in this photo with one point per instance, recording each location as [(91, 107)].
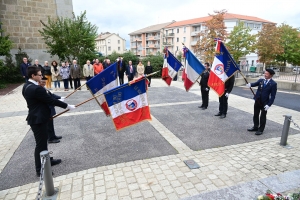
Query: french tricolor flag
[(193, 69), (170, 68), (102, 82), (128, 104)]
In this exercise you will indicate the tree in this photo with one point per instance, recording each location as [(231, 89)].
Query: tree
[(179, 56), (214, 28), (5, 44), (290, 41), (156, 63), (69, 38), (268, 43), (241, 41)]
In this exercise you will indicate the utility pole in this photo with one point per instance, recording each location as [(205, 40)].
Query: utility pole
[(136, 48)]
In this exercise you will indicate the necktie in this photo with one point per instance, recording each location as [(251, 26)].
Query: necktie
[(89, 67), (75, 66), (130, 68), (265, 83)]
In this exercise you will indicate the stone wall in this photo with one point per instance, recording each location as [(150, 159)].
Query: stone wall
[(21, 20)]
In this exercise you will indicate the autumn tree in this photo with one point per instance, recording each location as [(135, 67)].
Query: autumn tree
[(290, 42), (241, 41), (70, 38), (213, 28), (269, 43)]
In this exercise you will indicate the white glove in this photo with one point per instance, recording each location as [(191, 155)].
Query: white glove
[(61, 99), (117, 59), (248, 85), (266, 107), (227, 95), (71, 107), (206, 89)]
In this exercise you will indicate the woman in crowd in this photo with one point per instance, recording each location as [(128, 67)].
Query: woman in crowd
[(149, 70), (70, 78), (140, 69), (65, 73), (55, 70), (47, 74)]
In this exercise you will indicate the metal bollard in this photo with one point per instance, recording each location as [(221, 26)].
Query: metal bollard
[(285, 130), (48, 179)]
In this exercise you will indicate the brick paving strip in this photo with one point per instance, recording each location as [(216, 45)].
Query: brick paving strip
[(165, 177)]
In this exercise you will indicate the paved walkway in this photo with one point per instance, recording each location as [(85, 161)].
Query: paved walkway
[(165, 177)]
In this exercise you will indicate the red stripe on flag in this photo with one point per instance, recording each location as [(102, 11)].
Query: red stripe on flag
[(105, 109), (132, 118), (183, 75), (168, 80), (215, 83), (188, 84), (165, 72)]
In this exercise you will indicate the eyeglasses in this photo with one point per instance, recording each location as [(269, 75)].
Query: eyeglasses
[(39, 75)]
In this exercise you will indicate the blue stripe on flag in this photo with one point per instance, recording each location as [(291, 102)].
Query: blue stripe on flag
[(125, 92), (103, 78), (194, 62), (173, 62)]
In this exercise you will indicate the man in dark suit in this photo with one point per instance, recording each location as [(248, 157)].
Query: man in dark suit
[(130, 71), (121, 69), (75, 72), (264, 98), (52, 137), (38, 102), (23, 68), (204, 87), (223, 100)]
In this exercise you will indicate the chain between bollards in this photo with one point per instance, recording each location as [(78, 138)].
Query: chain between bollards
[(285, 130)]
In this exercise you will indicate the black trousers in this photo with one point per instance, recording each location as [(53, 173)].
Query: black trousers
[(51, 132), (88, 78), (41, 140), (149, 78), (121, 79), (76, 83), (130, 78), (204, 95), (223, 104), (71, 81), (259, 109)]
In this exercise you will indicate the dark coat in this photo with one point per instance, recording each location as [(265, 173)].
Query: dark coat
[(265, 94), (23, 68), (41, 68), (148, 69), (75, 73), (130, 75), (38, 102), (47, 70), (52, 108), (204, 79), (121, 68), (229, 84)]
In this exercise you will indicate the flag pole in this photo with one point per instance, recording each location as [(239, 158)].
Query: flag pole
[(76, 106), (246, 81), (75, 90)]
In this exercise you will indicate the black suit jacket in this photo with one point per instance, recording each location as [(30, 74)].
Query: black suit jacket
[(38, 102), (130, 75), (121, 68), (229, 84), (266, 94)]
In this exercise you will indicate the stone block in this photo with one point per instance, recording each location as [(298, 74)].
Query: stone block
[(31, 4), (35, 24), (42, 5), (15, 23), (31, 46), (14, 39), (27, 9), (10, 2), (11, 8), (25, 23), (2, 7)]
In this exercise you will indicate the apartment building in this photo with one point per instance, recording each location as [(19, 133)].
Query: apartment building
[(107, 42), (147, 41), (187, 32), (173, 34)]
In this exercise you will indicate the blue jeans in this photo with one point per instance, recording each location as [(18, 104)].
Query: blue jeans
[(66, 83), (57, 83)]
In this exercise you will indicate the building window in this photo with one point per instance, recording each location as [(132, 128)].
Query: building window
[(166, 32), (184, 29), (177, 48), (119, 48), (108, 41), (118, 41), (178, 39), (109, 49), (250, 25), (178, 30), (183, 39)]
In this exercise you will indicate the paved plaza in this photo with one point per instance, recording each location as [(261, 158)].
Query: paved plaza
[(145, 161)]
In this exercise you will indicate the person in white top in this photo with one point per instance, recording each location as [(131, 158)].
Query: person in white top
[(88, 70)]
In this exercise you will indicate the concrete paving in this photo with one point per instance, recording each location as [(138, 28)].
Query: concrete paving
[(146, 161)]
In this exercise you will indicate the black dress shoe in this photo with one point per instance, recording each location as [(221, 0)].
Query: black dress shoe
[(57, 137), (219, 114), (55, 162), (258, 133), (252, 129), (203, 108), (54, 141), (200, 106), (222, 116)]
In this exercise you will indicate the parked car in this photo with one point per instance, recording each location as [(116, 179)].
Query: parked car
[(296, 70), (275, 69)]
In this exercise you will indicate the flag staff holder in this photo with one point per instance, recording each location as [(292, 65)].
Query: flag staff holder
[(90, 99)]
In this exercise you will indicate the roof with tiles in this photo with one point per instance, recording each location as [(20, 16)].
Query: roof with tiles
[(151, 28), (227, 16)]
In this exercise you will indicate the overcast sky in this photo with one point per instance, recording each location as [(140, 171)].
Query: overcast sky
[(126, 16)]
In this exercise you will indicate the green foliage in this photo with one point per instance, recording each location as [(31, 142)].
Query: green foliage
[(156, 62), (70, 38), (5, 44), (179, 56), (9, 72), (19, 58), (290, 41), (241, 42)]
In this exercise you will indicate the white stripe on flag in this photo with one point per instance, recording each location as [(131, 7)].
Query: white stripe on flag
[(172, 73), (109, 86), (215, 70), (191, 74)]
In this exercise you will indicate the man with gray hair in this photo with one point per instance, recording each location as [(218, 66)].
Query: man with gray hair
[(76, 74), (36, 63)]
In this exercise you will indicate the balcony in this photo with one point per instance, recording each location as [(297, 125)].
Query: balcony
[(167, 44), (169, 35), (195, 33), (152, 46), (152, 38), (136, 39), (193, 43)]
